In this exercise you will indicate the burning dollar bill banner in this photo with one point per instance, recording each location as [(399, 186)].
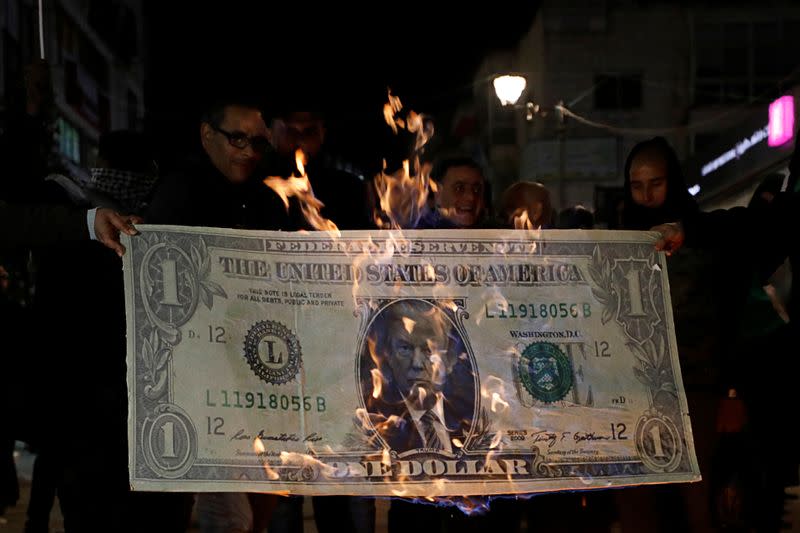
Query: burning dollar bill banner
[(427, 363)]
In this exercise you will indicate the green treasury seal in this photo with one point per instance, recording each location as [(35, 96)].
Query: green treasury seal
[(545, 371)]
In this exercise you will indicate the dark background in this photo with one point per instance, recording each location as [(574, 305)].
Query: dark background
[(335, 59)]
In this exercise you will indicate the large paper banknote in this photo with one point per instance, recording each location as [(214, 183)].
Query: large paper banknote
[(427, 363)]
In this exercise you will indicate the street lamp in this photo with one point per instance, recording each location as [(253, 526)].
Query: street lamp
[(508, 88)]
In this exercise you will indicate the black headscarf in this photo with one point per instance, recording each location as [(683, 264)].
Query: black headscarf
[(679, 202)]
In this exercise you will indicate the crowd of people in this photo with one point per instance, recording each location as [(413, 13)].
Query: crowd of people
[(63, 371)]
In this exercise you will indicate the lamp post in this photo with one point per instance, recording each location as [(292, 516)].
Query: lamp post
[(509, 89)]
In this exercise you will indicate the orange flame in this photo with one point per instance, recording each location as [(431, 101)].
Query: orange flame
[(422, 394), (271, 474), (403, 195), (390, 109), (258, 446), (402, 199), (377, 383), (496, 440), (498, 400), (305, 460), (300, 188), (523, 221)]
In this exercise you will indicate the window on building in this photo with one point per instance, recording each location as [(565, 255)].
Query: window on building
[(618, 91), (743, 61), (69, 141), (86, 73)]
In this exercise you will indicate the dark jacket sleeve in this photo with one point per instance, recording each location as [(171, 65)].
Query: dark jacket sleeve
[(175, 201), (38, 225), (763, 237)]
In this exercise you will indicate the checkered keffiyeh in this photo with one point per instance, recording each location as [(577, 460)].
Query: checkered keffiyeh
[(129, 189)]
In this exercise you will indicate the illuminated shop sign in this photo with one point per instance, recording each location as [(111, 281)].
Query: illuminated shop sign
[(781, 121), (737, 151), (777, 132)]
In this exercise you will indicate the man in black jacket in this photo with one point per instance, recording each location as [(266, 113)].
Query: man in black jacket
[(218, 187), (766, 235), (39, 225), (344, 196), (343, 193)]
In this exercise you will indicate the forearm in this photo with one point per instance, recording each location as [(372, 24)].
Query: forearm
[(720, 228), (35, 225)]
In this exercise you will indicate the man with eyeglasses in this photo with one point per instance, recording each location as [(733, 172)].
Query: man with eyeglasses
[(218, 187)]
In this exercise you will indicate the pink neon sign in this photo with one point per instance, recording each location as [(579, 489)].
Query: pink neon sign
[(781, 121)]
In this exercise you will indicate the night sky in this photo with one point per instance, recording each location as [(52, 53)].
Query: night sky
[(339, 61)]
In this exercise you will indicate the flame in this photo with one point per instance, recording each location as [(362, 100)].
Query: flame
[(258, 446), (403, 195), (390, 109), (300, 188), (498, 400), (401, 201), (438, 366), (422, 394), (377, 383), (523, 221), (386, 457), (363, 417), (302, 460), (271, 474)]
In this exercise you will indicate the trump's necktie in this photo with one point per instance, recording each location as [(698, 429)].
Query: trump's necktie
[(431, 436)]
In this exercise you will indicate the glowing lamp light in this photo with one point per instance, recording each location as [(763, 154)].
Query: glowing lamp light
[(509, 88), (781, 121), (694, 190)]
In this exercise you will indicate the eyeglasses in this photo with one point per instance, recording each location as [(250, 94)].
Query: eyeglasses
[(240, 140)]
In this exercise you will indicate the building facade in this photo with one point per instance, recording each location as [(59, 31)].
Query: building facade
[(630, 71), (96, 56)]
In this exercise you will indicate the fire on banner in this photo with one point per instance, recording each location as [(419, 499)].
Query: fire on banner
[(427, 363)]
